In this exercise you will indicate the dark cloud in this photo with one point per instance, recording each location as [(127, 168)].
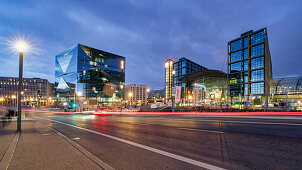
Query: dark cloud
[(147, 32)]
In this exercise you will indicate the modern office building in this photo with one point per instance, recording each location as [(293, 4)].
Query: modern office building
[(136, 94), (36, 91), (249, 68), (89, 77), (184, 67), (175, 71), (168, 78)]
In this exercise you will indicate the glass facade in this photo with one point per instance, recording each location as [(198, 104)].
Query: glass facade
[(236, 56), (184, 67), (257, 88), (94, 74), (257, 50), (247, 66), (289, 85), (257, 63), (257, 38), (236, 45)]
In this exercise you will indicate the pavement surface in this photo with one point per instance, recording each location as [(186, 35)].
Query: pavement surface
[(39, 147), (180, 142), (6, 135)]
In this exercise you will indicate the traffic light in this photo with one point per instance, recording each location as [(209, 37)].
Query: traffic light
[(74, 105), (58, 95)]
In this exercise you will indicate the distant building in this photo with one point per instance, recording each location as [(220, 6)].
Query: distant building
[(89, 77), (288, 90), (136, 94), (168, 78), (250, 68), (36, 91), (207, 87), (157, 93)]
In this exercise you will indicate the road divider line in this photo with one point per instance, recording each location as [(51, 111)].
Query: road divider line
[(201, 130), (168, 154)]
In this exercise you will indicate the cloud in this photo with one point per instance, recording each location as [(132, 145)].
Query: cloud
[(147, 32)]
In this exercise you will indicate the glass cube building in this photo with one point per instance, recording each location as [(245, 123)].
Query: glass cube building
[(249, 67), (89, 75)]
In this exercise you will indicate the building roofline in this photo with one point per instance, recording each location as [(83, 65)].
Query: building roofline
[(100, 50), (254, 32)]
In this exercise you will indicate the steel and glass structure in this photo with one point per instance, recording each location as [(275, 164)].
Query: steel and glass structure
[(249, 68), (184, 67), (93, 76)]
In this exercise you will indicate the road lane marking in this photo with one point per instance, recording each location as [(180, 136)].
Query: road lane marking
[(168, 154), (201, 130)]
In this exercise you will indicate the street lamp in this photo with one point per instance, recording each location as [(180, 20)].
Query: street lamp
[(2, 100), (122, 99), (21, 46), (130, 94)]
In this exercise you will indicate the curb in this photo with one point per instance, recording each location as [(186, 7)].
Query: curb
[(5, 161)]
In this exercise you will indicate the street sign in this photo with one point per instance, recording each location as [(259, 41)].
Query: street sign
[(177, 94)]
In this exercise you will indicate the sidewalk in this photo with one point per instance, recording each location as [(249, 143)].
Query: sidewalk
[(39, 147)]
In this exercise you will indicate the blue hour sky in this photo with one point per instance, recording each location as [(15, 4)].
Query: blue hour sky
[(148, 32)]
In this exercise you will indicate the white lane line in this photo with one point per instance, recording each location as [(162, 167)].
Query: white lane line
[(201, 130), (171, 155)]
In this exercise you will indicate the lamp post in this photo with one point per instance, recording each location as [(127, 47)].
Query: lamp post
[(123, 81), (130, 95), (122, 99), (21, 46)]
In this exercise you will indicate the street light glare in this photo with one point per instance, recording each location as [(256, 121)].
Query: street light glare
[(21, 45)]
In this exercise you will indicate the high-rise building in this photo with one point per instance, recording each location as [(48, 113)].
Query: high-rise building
[(168, 78), (175, 71), (249, 68), (94, 77), (36, 91), (184, 67), (136, 94)]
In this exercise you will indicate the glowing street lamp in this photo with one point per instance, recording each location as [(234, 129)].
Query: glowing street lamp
[(80, 93), (130, 94)]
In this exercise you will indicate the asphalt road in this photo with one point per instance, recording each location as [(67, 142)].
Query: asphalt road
[(184, 142)]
